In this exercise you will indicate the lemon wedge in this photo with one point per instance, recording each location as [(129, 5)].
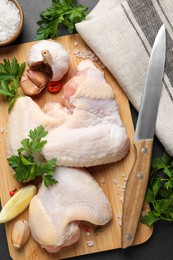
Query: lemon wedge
[(18, 203)]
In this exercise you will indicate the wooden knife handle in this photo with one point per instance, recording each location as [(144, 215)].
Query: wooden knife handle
[(135, 191)]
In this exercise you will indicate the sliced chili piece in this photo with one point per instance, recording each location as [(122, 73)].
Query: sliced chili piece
[(54, 86), (11, 193)]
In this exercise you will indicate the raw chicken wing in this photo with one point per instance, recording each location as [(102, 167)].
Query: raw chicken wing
[(27, 115), (55, 212), (84, 130), (94, 134)]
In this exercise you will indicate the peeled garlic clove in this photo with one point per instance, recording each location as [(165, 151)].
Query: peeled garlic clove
[(20, 233), (49, 53)]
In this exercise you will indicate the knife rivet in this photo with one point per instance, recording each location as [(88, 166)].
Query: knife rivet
[(144, 150), (139, 176), (128, 237)]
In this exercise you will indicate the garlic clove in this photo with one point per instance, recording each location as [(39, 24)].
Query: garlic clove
[(20, 233), (28, 87), (34, 82), (39, 78), (46, 68), (36, 65), (42, 66)]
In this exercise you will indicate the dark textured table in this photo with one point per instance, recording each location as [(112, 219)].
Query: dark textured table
[(160, 245)]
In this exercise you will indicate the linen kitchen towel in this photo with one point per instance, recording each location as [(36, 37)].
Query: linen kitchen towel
[(122, 33)]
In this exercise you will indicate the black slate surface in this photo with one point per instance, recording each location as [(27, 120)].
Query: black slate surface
[(160, 245)]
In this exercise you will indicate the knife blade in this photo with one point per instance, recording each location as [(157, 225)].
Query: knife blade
[(143, 141)]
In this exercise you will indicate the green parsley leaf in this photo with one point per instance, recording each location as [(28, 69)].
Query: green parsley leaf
[(37, 133), (47, 167), (61, 12), (24, 165), (150, 219), (49, 180), (10, 75), (160, 191)]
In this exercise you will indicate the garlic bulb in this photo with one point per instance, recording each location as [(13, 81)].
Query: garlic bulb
[(20, 233), (50, 57)]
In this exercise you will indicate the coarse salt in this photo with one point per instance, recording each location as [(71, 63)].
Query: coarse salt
[(75, 43), (119, 216), (124, 185), (122, 199), (1, 130), (120, 222), (116, 181), (123, 174), (90, 243), (9, 19), (87, 54), (76, 51), (95, 58), (103, 180), (103, 66)]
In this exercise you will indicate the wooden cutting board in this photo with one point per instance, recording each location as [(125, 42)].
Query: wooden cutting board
[(111, 178)]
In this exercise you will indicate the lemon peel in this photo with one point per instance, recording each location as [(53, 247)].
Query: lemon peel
[(18, 203)]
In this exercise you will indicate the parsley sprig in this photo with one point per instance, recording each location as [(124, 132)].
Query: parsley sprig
[(24, 164), (10, 74), (61, 12), (160, 191)]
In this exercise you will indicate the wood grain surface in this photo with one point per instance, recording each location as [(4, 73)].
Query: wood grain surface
[(111, 177)]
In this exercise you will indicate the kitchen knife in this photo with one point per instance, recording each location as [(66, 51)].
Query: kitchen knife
[(143, 141)]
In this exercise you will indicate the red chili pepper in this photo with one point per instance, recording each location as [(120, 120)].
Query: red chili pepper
[(11, 193), (54, 86)]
